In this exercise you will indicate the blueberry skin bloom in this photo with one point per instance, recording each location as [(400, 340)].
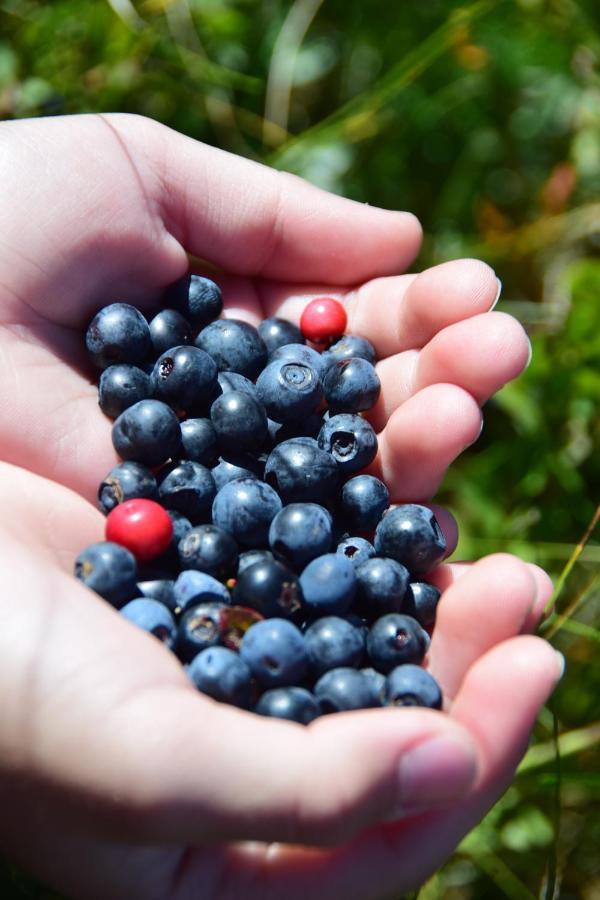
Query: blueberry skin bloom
[(208, 549), (169, 329), (199, 628), (235, 346), (351, 441), (199, 441), (118, 333), (186, 379), (188, 488), (249, 557), (160, 589), (358, 550), (300, 471), (395, 639), (289, 390), (220, 673), (421, 602), (300, 533), (108, 569), (411, 534), (295, 704), (333, 642), (351, 346), (344, 689), (364, 499), (197, 298), (240, 421), (147, 432), (382, 587), (269, 587), (193, 586), (328, 584), (232, 466), (410, 685), (351, 386), (152, 616), (126, 481), (233, 381), (245, 508), (121, 386), (277, 333), (275, 651)]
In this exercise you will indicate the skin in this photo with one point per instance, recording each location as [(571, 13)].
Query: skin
[(118, 779)]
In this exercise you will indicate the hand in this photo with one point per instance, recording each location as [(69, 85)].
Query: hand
[(118, 778)]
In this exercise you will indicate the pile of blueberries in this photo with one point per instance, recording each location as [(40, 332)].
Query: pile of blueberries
[(240, 531)]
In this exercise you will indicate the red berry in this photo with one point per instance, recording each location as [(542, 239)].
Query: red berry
[(142, 526), (323, 320)]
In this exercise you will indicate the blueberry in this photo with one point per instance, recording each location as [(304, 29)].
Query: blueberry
[(378, 680), (351, 346), (275, 652), (121, 386), (161, 589), (249, 557), (309, 426), (126, 481), (395, 639), (289, 390), (209, 549), (108, 569), (279, 332), (233, 381), (188, 488), (235, 346), (351, 386), (295, 704), (333, 642), (410, 685), (269, 587), (223, 675), (169, 329), (356, 549), (197, 298), (236, 465), (245, 509), (421, 602), (350, 440), (382, 587), (147, 432), (186, 379), (300, 354), (299, 533), (193, 586), (199, 441), (328, 584), (118, 333), (199, 628), (300, 471), (345, 689), (240, 421), (153, 616), (411, 535), (363, 501)]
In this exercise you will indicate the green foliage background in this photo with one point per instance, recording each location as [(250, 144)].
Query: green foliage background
[(484, 120)]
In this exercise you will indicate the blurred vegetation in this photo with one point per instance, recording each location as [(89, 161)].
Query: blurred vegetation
[(484, 119)]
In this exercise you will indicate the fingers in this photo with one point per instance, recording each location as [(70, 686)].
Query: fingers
[(422, 438)]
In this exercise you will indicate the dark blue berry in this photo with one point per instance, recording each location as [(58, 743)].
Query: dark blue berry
[(411, 534), (236, 465), (295, 704), (300, 354), (126, 481), (378, 680), (169, 329), (269, 587), (333, 642), (344, 689), (363, 501), (161, 589), (356, 549), (351, 441), (118, 333), (240, 421), (199, 441), (147, 432), (110, 570), (349, 347), (121, 386), (233, 381), (208, 549), (309, 426), (249, 557), (197, 298), (277, 333), (153, 616), (199, 627), (410, 685), (299, 533), (245, 509), (235, 346), (351, 386), (300, 471), (328, 584), (188, 488), (289, 390), (393, 640), (382, 587), (193, 586), (421, 602), (220, 673), (186, 379), (275, 651)]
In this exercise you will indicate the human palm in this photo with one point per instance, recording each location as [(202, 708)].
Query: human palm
[(140, 786)]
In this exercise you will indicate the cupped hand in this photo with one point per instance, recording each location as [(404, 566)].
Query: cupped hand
[(118, 779)]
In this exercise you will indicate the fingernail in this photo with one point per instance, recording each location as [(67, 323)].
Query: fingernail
[(528, 363), (561, 664), (497, 297), (438, 770)]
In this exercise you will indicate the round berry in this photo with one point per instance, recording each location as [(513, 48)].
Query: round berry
[(324, 320), (142, 526)]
